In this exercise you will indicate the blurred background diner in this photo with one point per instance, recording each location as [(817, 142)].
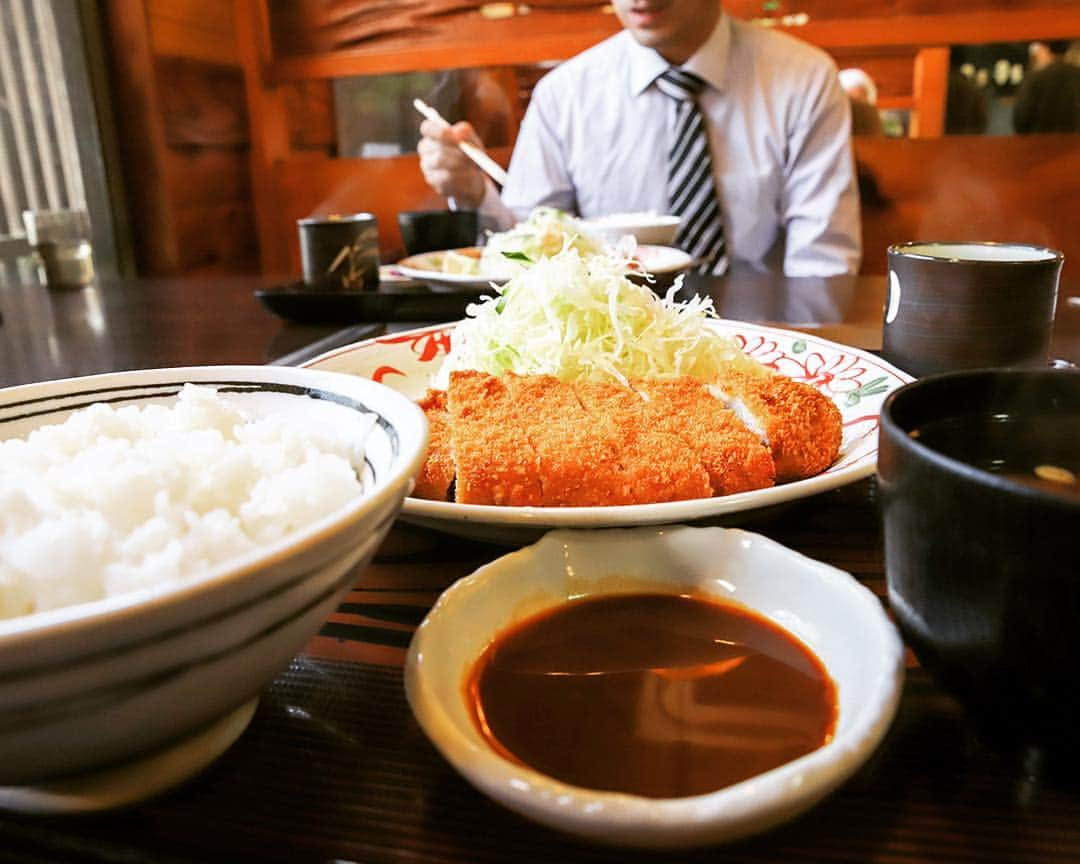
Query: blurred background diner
[(195, 134), (739, 130)]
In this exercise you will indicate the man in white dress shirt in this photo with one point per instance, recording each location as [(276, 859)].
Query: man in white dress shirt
[(594, 140)]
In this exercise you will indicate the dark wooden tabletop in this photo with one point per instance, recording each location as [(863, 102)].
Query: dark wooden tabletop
[(333, 766)]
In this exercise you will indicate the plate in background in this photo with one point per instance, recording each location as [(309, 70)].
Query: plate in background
[(664, 262)]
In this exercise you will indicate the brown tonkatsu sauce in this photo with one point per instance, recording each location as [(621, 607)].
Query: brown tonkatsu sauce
[(659, 695)]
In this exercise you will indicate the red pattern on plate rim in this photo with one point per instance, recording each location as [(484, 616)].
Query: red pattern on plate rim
[(383, 372), (425, 344), (841, 374)]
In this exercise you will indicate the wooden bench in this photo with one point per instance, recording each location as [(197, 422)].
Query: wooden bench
[(1023, 188)]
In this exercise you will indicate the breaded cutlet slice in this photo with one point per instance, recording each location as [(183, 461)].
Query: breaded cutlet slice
[(579, 465), (656, 465), (801, 425), (737, 460), (493, 460), (437, 472)]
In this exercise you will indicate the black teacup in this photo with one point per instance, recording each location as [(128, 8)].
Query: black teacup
[(340, 253), (955, 306)]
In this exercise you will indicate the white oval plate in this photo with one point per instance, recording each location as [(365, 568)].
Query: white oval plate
[(857, 381), (427, 267), (838, 619)]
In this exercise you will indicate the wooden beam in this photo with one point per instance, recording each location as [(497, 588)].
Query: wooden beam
[(930, 92), (176, 38), (269, 135), (142, 139), (452, 54), (957, 28), (541, 42)]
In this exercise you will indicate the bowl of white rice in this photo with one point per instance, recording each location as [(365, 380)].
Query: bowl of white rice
[(170, 539)]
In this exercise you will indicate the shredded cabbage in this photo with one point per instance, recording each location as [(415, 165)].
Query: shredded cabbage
[(544, 234), (581, 318)]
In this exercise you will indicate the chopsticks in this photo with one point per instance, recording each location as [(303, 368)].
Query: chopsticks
[(328, 343), (488, 165)]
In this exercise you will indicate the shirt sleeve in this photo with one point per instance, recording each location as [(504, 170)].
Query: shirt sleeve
[(492, 213), (539, 175), (821, 200)]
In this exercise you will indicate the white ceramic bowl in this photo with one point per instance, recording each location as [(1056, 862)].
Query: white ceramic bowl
[(648, 228), (108, 681), (841, 621)]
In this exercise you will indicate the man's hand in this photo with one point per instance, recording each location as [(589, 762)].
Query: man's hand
[(447, 170)]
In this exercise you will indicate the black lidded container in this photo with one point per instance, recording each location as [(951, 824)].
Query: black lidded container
[(437, 230)]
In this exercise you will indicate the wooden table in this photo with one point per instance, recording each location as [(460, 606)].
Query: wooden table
[(333, 767)]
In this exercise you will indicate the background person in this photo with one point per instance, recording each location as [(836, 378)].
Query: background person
[(596, 138), (1049, 98), (862, 91)]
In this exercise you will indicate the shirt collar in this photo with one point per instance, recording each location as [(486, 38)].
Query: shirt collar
[(710, 61)]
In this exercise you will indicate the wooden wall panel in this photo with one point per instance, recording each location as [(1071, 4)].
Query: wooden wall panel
[(181, 100), (309, 106), (142, 136), (215, 238), (1022, 188), (201, 176), (268, 115), (210, 15), (454, 40), (199, 29), (305, 27), (202, 104)]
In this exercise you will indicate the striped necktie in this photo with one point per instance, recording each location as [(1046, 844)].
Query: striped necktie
[(691, 188)]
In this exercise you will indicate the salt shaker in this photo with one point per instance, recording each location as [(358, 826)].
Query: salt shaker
[(61, 240)]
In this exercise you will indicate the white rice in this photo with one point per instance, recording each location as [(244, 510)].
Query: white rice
[(120, 499)]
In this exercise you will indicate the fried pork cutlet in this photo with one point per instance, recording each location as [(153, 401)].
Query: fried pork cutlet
[(437, 473), (533, 440), (494, 461), (656, 465), (801, 425), (579, 464), (736, 458)]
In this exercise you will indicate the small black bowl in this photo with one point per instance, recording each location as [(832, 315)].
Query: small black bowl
[(436, 230), (982, 559)]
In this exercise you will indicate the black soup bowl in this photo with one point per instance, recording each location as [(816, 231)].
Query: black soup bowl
[(978, 474)]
